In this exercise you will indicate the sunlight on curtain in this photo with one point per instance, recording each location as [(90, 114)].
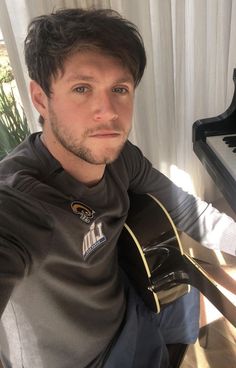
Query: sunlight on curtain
[(191, 55)]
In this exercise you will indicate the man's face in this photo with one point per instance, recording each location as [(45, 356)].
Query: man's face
[(90, 110)]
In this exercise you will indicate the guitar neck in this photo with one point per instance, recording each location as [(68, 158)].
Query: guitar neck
[(208, 287)]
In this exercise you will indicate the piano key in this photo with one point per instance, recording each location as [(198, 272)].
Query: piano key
[(230, 141), (225, 154), (229, 138)]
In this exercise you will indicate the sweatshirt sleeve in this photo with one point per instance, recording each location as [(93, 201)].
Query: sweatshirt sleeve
[(12, 270), (24, 228), (198, 219), (215, 230)]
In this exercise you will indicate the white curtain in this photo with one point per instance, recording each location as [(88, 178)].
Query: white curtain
[(191, 56)]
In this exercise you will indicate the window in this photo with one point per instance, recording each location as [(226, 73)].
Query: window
[(13, 123)]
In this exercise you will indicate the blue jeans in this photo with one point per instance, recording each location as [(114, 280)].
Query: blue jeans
[(143, 338)]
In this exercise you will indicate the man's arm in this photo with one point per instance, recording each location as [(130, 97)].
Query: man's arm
[(198, 219), (25, 235), (12, 269)]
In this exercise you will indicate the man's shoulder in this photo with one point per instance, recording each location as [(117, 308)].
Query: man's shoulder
[(20, 166), (18, 157), (131, 156), (130, 152)]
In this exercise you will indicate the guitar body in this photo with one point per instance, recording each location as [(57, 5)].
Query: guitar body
[(144, 253), (151, 254)]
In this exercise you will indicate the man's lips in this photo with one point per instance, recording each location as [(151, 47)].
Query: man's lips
[(105, 134)]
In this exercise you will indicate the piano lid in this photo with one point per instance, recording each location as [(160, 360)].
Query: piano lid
[(213, 151), (222, 124)]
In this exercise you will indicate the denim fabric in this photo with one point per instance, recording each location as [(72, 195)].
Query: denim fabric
[(143, 338)]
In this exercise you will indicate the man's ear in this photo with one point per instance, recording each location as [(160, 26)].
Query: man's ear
[(39, 98)]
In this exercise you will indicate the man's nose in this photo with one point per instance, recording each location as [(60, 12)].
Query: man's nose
[(104, 108)]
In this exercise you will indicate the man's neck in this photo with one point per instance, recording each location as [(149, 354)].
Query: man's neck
[(84, 172)]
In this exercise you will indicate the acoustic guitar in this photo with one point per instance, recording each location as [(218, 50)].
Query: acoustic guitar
[(151, 254)]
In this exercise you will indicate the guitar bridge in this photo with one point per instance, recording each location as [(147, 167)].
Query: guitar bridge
[(168, 281)]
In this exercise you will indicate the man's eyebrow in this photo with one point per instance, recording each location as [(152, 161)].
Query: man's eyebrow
[(126, 79), (88, 78), (83, 77)]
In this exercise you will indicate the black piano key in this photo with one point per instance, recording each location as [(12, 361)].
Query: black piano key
[(231, 144), (230, 141), (229, 137)]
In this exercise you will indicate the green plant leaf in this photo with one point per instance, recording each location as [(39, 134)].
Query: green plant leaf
[(13, 123)]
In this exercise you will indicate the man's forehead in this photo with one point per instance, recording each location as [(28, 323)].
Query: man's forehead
[(87, 68)]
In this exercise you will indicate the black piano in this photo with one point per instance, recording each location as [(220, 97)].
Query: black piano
[(214, 142)]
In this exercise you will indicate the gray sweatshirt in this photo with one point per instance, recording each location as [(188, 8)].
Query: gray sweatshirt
[(60, 292)]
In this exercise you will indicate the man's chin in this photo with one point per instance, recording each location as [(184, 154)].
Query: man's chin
[(104, 158)]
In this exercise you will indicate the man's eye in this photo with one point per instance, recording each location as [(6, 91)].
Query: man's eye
[(121, 90), (81, 89)]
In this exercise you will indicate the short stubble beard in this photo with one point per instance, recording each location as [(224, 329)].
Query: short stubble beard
[(77, 148)]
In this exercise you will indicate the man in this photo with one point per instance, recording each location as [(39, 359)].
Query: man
[(64, 199)]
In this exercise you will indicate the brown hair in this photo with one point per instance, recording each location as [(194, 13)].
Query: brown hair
[(52, 38)]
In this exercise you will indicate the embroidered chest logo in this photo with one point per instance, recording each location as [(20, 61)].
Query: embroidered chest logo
[(93, 239), (86, 213)]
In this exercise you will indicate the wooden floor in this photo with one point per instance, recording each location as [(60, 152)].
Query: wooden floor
[(216, 347), (219, 350)]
